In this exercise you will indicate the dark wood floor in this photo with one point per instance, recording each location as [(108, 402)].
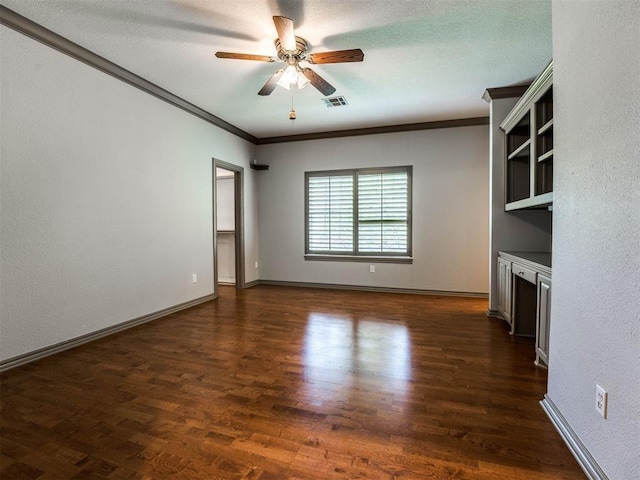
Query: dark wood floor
[(289, 383)]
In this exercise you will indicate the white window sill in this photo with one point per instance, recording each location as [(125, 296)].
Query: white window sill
[(358, 258)]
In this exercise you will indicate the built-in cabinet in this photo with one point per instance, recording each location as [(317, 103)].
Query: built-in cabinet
[(529, 146), (543, 316), (523, 280), (524, 297), (504, 289)]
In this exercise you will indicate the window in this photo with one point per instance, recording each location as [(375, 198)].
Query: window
[(359, 213)]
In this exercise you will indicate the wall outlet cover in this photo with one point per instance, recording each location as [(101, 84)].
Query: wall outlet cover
[(601, 401)]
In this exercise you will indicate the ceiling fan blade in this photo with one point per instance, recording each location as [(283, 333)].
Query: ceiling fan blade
[(271, 83), (286, 34), (339, 56), (318, 82), (245, 56)]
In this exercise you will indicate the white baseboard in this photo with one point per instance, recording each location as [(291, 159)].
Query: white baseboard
[(577, 448)]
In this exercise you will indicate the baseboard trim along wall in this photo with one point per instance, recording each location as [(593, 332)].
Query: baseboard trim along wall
[(373, 289), (577, 448), (89, 337)]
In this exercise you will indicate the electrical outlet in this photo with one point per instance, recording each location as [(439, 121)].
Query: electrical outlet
[(194, 278), (601, 401), (372, 269), (256, 264)]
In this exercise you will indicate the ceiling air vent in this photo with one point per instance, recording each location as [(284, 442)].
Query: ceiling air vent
[(335, 102)]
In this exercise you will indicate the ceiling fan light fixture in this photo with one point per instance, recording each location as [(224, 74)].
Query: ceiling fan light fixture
[(292, 75), (289, 77)]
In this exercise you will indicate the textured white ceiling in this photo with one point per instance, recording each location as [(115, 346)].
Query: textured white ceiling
[(425, 60)]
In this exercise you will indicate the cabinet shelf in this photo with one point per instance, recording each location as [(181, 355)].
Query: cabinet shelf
[(546, 156), (542, 201), (546, 127), (522, 151)]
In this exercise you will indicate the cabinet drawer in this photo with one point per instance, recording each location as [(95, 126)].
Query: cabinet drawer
[(524, 272)]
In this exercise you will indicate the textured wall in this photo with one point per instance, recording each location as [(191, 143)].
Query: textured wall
[(595, 324), (106, 197), (450, 208)]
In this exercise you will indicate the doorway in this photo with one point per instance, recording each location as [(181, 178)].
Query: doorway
[(228, 225)]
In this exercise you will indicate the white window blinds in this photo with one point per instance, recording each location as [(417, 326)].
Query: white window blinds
[(382, 212), (359, 212), (330, 213)]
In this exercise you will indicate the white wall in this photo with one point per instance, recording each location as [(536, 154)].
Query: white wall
[(225, 206), (595, 324), (450, 208), (523, 230), (106, 199)]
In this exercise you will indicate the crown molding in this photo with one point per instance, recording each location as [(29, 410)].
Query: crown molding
[(407, 127), (533, 93), (31, 29), (504, 92), (27, 27)]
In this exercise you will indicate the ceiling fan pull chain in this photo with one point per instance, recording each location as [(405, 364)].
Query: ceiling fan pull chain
[(292, 113)]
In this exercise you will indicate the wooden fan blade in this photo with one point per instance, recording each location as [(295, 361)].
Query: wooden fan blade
[(318, 82), (271, 84), (284, 27), (339, 56), (245, 56)]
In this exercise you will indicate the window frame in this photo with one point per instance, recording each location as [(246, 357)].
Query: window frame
[(355, 256)]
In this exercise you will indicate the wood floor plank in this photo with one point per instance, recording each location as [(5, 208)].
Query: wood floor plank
[(289, 383)]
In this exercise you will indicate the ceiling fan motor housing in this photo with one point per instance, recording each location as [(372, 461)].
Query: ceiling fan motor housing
[(301, 49)]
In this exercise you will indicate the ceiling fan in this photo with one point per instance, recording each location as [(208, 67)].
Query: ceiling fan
[(292, 50)]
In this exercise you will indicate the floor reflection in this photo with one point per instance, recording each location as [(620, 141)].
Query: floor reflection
[(361, 352)]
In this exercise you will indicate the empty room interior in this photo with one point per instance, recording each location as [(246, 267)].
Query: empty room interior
[(304, 239)]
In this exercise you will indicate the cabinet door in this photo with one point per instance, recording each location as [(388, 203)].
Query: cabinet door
[(542, 320), (504, 289), (501, 285)]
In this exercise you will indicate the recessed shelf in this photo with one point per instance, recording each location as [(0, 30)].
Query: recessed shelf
[(545, 156), (539, 201), (521, 151), (545, 127)]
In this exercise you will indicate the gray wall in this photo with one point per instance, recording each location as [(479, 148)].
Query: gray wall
[(106, 199), (595, 324), (450, 208)]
